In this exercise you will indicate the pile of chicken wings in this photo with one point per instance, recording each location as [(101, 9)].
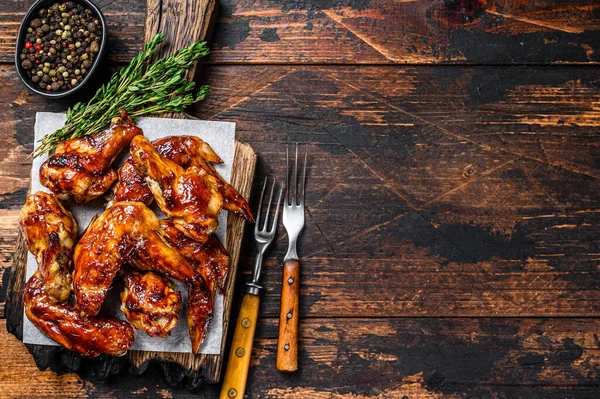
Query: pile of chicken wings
[(127, 246)]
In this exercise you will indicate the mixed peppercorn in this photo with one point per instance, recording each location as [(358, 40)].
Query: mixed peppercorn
[(61, 45)]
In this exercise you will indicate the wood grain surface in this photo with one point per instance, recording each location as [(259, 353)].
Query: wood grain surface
[(367, 31), (452, 241)]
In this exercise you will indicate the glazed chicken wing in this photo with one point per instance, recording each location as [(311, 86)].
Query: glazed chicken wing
[(63, 323), (211, 260), (185, 151), (188, 151), (80, 167), (126, 232), (50, 232), (150, 302), (187, 196)]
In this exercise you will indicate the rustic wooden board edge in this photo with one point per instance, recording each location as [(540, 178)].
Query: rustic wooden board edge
[(182, 22), (197, 368), (13, 308)]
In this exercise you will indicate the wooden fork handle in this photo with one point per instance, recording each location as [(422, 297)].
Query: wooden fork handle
[(234, 383), (287, 341)]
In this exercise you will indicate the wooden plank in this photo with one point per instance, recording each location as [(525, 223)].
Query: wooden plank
[(182, 23), (371, 32), (368, 359), (463, 191), (408, 32)]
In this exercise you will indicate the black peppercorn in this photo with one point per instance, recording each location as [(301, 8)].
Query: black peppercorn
[(94, 47)]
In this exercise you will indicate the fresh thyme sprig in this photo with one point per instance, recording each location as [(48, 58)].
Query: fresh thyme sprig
[(143, 87)]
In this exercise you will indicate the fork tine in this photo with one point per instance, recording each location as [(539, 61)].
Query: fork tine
[(287, 173), (301, 201), (268, 207), (274, 225), (295, 197), (262, 193)]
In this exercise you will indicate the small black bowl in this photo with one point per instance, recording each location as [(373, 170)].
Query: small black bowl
[(31, 14)]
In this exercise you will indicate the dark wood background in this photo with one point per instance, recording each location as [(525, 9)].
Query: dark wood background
[(451, 247)]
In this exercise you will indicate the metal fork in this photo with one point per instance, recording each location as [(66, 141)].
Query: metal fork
[(234, 382), (293, 221)]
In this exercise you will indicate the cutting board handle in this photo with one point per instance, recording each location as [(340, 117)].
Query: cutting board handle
[(183, 22)]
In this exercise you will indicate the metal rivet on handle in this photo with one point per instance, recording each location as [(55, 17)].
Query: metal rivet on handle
[(232, 393), (290, 281), (289, 315), (246, 323), (286, 347), (240, 352)]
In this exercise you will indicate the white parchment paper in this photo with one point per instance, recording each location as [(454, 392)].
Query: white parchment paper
[(221, 137)]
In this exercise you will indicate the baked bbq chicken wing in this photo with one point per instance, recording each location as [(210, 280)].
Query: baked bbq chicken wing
[(185, 151), (126, 232), (211, 260), (50, 233), (80, 167), (186, 196), (188, 151), (150, 302), (62, 322)]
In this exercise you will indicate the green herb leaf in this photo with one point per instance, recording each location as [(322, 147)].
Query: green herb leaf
[(146, 86)]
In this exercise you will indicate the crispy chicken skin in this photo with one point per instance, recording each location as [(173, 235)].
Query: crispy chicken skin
[(126, 232), (200, 314), (185, 151), (131, 185), (80, 167), (63, 323), (211, 260), (50, 233), (150, 302), (187, 196)]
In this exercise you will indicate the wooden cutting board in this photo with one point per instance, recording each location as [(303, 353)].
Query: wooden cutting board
[(182, 22)]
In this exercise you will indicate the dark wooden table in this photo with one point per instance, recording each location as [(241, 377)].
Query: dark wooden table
[(452, 241)]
